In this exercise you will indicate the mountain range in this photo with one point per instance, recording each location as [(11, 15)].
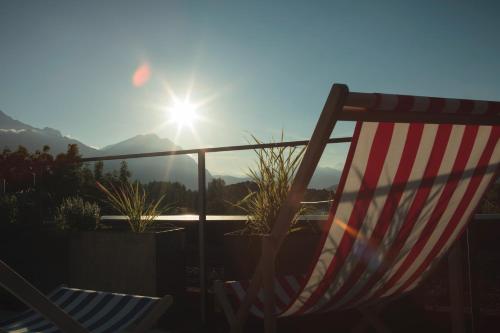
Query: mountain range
[(181, 168), (323, 178)]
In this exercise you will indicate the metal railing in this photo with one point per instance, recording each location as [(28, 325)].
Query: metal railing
[(202, 204)]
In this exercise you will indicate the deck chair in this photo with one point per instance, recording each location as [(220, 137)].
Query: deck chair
[(78, 311), (416, 170)]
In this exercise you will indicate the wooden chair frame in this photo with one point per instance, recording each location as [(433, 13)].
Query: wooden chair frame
[(340, 105)]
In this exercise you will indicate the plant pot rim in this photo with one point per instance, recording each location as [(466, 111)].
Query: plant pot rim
[(241, 232), (128, 231)]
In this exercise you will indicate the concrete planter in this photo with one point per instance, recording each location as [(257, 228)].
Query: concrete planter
[(150, 263), (243, 252)]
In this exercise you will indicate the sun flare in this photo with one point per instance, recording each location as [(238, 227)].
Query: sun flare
[(182, 112)]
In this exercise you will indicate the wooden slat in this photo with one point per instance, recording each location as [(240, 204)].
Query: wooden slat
[(220, 293), (250, 296), (352, 114), (360, 107), (312, 155)]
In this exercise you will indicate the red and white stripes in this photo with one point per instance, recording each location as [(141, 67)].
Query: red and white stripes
[(406, 194), (409, 191)]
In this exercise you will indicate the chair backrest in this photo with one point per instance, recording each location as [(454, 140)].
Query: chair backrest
[(96, 311), (408, 189)]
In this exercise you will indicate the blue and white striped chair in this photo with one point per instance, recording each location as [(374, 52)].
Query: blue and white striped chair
[(77, 310)]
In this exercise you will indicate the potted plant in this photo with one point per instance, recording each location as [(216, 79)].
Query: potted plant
[(273, 176), (136, 260)]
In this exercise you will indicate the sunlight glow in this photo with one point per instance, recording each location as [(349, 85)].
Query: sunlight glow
[(182, 113)]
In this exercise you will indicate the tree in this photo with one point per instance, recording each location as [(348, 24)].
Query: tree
[(124, 172), (216, 203), (98, 170), (66, 178)]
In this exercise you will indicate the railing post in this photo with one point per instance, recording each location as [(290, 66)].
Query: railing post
[(202, 217)]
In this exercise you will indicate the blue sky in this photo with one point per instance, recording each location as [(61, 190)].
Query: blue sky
[(264, 66)]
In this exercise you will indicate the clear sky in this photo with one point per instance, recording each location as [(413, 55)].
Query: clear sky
[(259, 66)]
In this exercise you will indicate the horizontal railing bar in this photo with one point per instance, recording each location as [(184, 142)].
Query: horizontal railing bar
[(218, 218), (209, 150), (194, 217)]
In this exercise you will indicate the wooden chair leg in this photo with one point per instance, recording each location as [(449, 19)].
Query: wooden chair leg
[(251, 295), (456, 286), (220, 293)]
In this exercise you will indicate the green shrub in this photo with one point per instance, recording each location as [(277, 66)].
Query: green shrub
[(273, 176), (8, 209), (132, 201), (76, 214)]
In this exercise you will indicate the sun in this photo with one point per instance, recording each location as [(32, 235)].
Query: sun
[(182, 112)]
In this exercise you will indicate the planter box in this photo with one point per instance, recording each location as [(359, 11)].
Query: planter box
[(150, 263), (243, 253)]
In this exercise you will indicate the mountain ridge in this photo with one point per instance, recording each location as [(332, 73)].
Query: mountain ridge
[(181, 168)]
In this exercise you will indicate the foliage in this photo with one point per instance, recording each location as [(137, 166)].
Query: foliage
[(215, 196), (65, 178), (132, 201), (39, 180), (98, 170), (124, 172), (273, 176), (76, 214), (185, 200), (8, 208)]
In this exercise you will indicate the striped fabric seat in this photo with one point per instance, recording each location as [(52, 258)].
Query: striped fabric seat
[(406, 194), (96, 311)]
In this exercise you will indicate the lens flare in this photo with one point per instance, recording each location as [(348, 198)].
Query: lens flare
[(141, 75), (350, 230)]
